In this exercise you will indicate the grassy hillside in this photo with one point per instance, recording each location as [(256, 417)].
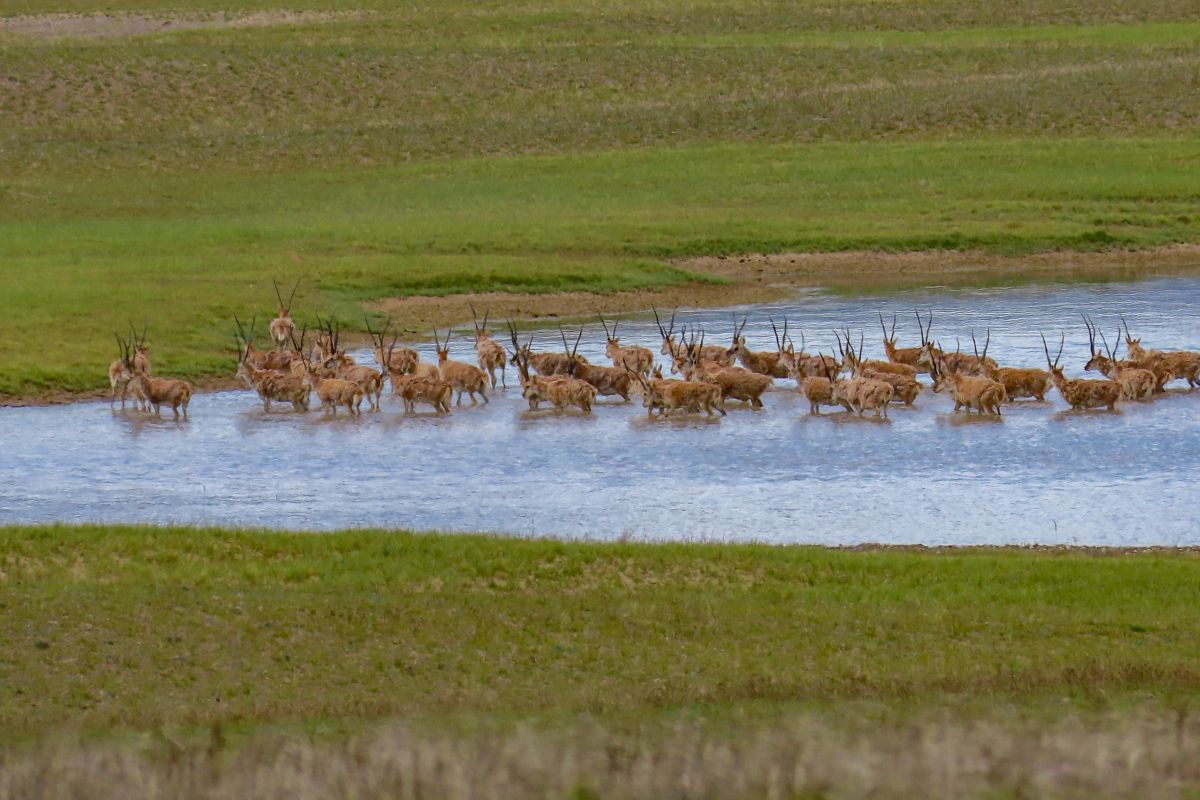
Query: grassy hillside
[(552, 646), (155, 168)]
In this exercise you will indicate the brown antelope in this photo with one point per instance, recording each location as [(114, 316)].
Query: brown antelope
[(414, 389), (709, 352), (462, 376), (1179, 363), (1152, 361), (491, 355), (669, 396), (1021, 382), (161, 391), (635, 357), (957, 361), (119, 374), (342, 366), (862, 394), (735, 383), (1079, 392), (560, 391), (282, 387), (904, 389), (329, 340), (764, 363), (904, 355), (802, 365), (545, 364), (334, 392), (1136, 383), (277, 359), (282, 327), (853, 361), (818, 390), (608, 381), (391, 359), (969, 391)]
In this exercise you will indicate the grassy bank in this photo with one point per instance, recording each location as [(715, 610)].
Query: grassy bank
[(525, 651), (154, 168)]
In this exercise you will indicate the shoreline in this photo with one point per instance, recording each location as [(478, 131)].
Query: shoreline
[(742, 280)]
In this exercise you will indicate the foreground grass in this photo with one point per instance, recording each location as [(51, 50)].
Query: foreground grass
[(534, 668), (169, 173)]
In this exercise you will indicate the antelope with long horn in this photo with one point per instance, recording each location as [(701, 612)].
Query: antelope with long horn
[(393, 360), (853, 360), (1081, 393), (764, 363), (903, 355), (463, 377), (282, 327), (859, 393), (279, 359), (608, 381), (735, 383), (970, 391), (119, 373), (342, 366), (635, 357), (1183, 364), (669, 396), (160, 391), (546, 364), (489, 352), (1136, 383), (560, 391), (272, 385), (801, 364), (818, 390)]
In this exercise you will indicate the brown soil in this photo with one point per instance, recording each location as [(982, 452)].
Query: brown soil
[(753, 278), (105, 26), (757, 278)]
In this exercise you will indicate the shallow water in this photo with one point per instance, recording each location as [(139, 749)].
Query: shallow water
[(1042, 474)]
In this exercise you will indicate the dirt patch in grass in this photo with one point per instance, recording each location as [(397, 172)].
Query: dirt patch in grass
[(107, 26), (763, 277)]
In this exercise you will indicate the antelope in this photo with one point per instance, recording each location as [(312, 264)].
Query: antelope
[(764, 363), (976, 392), (854, 361), (277, 359), (463, 377), (414, 389), (637, 358), (271, 385), (1079, 392), (342, 366), (560, 391), (818, 390), (329, 340), (545, 364), (1021, 382), (282, 328), (904, 355), (490, 354), (801, 365), (1153, 362), (161, 391), (607, 381), (1136, 383), (957, 361), (334, 392), (119, 373), (395, 361), (861, 394), (1180, 363), (904, 389), (709, 352), (734, 383), (669, 396)]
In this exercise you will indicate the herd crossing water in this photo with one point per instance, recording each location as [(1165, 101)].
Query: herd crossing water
[(1041, 474)]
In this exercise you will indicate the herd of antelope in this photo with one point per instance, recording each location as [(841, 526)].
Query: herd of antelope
[(711, 375)]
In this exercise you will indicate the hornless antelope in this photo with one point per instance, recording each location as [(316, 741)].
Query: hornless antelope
[(161, 391), (669, 396), (818, 390), (635, 357), (764, 363), (282, 387), (282, 328), (414, 389), (119, 373), (463, 377), (334, 392), (1179, 363), (904, 355), (491, 355), (608, 381), (862, 394), (1079, 392), (1021, 382), (969, 391), (735, 383)]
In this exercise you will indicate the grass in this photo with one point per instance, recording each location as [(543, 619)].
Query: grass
[(486, 650), (169, 172)]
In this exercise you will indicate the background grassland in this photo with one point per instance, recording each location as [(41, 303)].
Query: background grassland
[(714, 664), (170, 172)]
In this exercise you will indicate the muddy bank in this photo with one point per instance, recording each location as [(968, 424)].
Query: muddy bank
[(760, 278)]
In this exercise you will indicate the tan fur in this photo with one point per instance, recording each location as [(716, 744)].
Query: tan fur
[(463, 377), (1082, 393), (669, 396), (413, 389), (1022, 382), (165, 391), (862, 394), (905, 388), (608, 381), (278, 386), (976, 392), (119, 377), (334, 392), (734, 383), (762, 362), (637, 358), (282, 329), (491, 357), (818, 391)]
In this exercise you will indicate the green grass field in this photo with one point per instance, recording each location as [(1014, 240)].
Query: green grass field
[(151, 637), (169, 173)]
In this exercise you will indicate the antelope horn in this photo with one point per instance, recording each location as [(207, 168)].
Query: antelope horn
[(566, 347), (292, 296), (278, 296), (474, 319), (605, 326), (578, 337), (774, 330), (661, 330), (892, 335)]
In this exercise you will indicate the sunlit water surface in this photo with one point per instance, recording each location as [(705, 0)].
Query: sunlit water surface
[(1042, 474)]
